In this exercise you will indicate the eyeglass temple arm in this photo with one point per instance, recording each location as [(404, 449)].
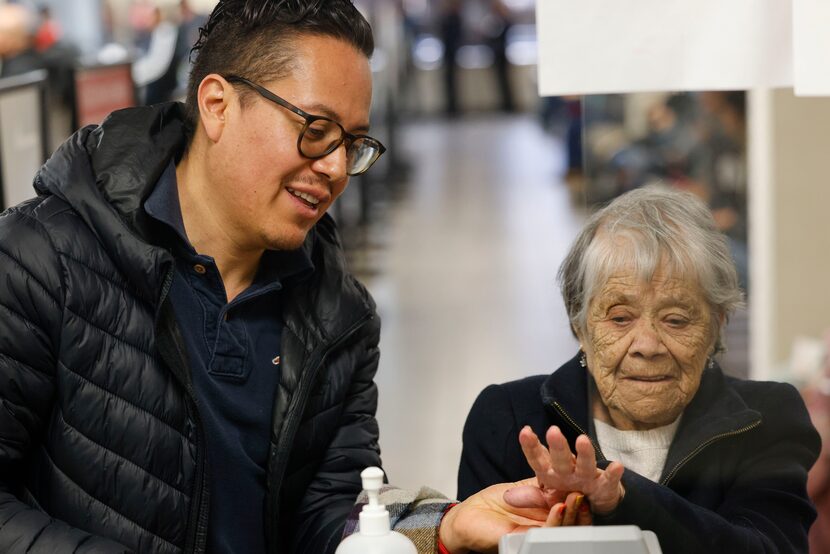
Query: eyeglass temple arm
[(269, 95)]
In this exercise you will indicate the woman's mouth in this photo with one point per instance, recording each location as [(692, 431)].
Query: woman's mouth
[(649, 378)]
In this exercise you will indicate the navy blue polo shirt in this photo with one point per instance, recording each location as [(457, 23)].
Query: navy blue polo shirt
[(234, 354)]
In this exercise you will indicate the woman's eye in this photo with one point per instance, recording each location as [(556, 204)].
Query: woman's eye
[(620, 319), (677, 321)]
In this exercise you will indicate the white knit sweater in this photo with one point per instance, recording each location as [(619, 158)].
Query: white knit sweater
[(643, 452)]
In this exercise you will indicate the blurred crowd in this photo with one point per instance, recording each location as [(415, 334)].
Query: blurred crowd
[(156, 40), (162, 38), (695, 141), (32, 39)]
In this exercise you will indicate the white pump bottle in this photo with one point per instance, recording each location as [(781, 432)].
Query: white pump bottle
[(375, 535)]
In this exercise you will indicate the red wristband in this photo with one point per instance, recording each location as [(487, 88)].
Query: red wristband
[(441, 548)]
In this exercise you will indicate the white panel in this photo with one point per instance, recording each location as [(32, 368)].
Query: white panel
[(21, 147), (602, 46), (761, 234), (811, 47)]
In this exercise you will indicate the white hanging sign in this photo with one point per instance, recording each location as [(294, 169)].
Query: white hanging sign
[(612, 46), (811, 47)]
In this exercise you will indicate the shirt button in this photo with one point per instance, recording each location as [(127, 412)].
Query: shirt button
[(200, 269)]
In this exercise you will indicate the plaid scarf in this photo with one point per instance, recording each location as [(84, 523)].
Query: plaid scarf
[(416, 514)]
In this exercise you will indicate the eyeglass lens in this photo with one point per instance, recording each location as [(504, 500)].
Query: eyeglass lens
[(362, 154), (323, 136)]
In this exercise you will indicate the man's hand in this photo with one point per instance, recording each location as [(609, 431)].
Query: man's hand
[(559, 471), (479, 522)]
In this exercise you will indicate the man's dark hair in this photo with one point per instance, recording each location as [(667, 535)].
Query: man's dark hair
[(252, 39)]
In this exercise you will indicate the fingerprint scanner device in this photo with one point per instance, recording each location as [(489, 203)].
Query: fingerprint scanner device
[(611, 539)]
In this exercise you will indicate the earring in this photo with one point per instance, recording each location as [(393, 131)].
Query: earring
[(582, 361), (711, 363)]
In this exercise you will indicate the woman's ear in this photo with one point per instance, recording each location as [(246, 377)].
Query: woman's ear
[(213, 100)]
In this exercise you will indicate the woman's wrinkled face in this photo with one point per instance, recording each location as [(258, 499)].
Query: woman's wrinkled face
[(646, 345)]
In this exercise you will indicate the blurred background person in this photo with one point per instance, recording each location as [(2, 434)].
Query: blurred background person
[(48, 31), (27, 44), (156, 72), (188, 33), (500, 28), (451, 34), (17, 41), (141, 16)]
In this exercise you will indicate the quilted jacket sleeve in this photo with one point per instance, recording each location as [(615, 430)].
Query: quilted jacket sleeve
[(30, 317)]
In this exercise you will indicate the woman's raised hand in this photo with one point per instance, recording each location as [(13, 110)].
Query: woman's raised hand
[(560, 472)]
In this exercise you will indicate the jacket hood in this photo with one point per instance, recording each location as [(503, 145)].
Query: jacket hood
[(105, 174)]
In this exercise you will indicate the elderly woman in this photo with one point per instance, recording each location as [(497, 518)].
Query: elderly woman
[(642, 423)]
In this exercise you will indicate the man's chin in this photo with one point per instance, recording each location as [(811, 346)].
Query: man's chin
[(287, 240), (284, 244)]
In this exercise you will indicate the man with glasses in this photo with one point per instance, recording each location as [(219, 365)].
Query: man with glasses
[(185, 364)]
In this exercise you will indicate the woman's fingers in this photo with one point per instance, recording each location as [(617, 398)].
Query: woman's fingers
[(537, 455), (612, 476), (609, 491), (586, 460), (561, 457), (558, 472)]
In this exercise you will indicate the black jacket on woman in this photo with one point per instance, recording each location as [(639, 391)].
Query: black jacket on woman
[(101, 446), (735, 476)]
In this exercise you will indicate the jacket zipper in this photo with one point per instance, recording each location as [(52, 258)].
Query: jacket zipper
[(197, 520), (703, 445), (302, 395), (579, 429), (682, 462)]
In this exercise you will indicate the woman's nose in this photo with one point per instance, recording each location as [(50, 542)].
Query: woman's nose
[(647, 341)]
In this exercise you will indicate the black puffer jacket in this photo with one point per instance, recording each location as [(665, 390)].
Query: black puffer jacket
[(101, 447)]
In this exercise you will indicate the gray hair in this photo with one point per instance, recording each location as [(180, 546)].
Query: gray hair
[(645, 227)]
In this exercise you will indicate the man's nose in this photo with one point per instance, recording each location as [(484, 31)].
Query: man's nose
[(333, 165)]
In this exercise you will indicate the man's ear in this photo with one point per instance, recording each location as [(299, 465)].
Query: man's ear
[(213, 98)]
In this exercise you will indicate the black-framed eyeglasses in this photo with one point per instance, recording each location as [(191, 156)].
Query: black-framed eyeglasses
[(320, 135)]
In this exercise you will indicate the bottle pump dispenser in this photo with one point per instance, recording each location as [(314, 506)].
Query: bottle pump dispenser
[(375, 535)]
